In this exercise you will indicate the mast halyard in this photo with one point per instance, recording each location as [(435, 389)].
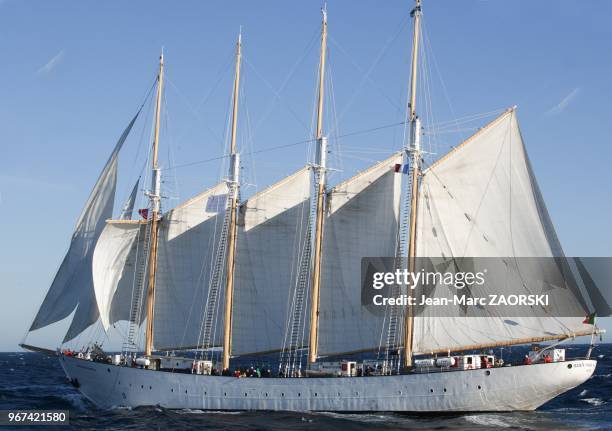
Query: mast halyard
[(413, 153), (234, 186), (321, 156), (155, 198)]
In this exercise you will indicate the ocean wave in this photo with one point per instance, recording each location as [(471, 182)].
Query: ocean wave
[(488, 420), (77, 400)]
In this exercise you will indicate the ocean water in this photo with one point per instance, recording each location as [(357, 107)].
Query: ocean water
[(35, 381)]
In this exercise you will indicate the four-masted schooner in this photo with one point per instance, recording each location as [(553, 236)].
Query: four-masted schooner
[(280, 272)]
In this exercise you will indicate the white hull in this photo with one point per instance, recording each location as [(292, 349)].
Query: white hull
[(503, 389)]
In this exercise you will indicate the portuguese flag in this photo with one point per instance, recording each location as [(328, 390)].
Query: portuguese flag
[(590, 319)]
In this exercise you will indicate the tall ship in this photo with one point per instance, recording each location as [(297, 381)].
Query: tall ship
[(219, 278)]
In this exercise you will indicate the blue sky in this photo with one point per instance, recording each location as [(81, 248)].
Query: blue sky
[(74, 73)]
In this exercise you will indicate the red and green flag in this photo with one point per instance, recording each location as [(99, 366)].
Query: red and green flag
[(590, 319)]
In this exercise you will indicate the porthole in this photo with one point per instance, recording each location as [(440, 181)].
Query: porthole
[(108, 369), (431, 390), (150, 388), (119, 382), (569, 366), (245, 394), (357, 393), (316, 394), (399, 392), (266, 394), (141, 386), (479, 387), (225, 394), (488, 373), (338, 393), (171, 389), (299, 394), (204, 392), (282, 394), (185, 390), (444, 389)]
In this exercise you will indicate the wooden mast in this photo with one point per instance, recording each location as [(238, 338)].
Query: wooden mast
[(155, 198), (320, 187), (233, 204), (415, 153)]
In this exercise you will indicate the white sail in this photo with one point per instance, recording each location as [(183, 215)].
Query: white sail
[(115, 261), (271, 233), (72, 286), (481, 200), (362, 221), (188, 239), (128, 208)]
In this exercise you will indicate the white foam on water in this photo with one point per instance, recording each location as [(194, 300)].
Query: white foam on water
[(190, 411), (488, 421), (128, 408), (358, 417), (220, 412), (77, 400), (583, 393), (594, 401)]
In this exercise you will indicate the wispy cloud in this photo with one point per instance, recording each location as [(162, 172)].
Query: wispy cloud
[(52, 63), (564, 103)]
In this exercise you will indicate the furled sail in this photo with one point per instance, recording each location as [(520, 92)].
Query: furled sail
[(361, 221), (188, 239), (482, 200), (72, 287), (272, 229)]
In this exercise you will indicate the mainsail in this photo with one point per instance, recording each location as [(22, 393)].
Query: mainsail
[(271, 233), (481, 200), (72, 287), (361, 222), (188, 240)]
